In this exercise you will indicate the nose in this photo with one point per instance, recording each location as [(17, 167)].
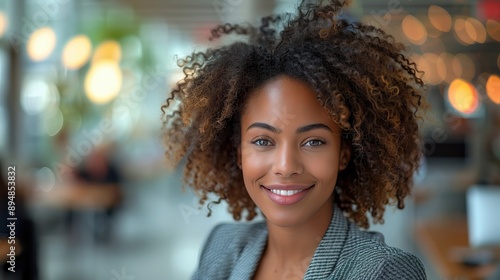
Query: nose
[(287, 161)]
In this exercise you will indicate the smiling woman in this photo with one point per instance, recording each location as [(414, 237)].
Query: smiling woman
[(287, 164), (315, 126)]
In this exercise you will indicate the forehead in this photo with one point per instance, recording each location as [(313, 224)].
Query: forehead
[(286, 99)]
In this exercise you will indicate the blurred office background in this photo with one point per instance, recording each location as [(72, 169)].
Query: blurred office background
[(81, 87)]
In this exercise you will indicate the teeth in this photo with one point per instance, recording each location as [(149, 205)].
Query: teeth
[(285, 192)]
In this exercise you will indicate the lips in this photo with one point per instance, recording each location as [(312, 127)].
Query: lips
[(286, 194)]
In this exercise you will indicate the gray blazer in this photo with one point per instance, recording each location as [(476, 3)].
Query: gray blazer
[(233, 251)]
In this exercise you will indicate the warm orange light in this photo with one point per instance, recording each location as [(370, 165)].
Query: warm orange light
[(475, 30), (456, 66), (461, 33), (439, 18), (414, 30), (441, 66), (77, 52), (428, 63), (41, 43), (108, 50), (463, 96), (493, 28), (103, 81), (493, 88), (445, 67), (3, 23)]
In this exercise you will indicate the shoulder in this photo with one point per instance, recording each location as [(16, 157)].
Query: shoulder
[(231, 238), (400, 265), (366, 256), (224, 246)]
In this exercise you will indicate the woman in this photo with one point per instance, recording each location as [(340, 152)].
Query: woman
[(314, 126)]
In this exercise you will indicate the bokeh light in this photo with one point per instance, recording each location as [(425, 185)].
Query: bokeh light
[(428, 64), (461, 33), (103, 81), (45, 179), (463, 96), (493, 28), (440, 18), (37, 96), (3, 23), (423, 66), (445, 67), (414, 30), (41, 43), (77, 52), (493, 88), (108, 50), (53, 121), (441, 66), (475, 30), (456, 66)]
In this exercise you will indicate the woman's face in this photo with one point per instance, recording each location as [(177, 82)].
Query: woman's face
[(290, 153)]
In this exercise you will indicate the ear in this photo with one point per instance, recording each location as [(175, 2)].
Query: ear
[(238, 155), (345, 155)]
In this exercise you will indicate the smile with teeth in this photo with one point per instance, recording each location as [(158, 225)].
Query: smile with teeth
[(285, 192), (286, 195)]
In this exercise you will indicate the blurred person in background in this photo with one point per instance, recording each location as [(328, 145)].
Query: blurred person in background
[(96, 184), (26, 249)]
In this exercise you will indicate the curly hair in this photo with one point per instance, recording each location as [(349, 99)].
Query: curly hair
[(361, 75)]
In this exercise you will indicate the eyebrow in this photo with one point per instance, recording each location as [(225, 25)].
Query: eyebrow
[(299, 130), (311, 127)]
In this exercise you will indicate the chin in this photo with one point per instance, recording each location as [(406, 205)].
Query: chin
[(285, 219)]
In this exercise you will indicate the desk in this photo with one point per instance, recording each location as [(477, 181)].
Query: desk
[(89, 200), (439, 238), (79, 196)]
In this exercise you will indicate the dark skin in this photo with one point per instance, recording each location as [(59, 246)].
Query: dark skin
[(359, 95), (361, 75), (298, 148)]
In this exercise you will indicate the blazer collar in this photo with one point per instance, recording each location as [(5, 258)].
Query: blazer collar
[(250, 256), (324, 259), (330, 247)]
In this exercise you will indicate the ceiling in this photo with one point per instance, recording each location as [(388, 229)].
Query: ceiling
[(189, 15)]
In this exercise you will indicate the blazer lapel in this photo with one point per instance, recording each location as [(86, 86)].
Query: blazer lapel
[(329, 249), (250, 255)]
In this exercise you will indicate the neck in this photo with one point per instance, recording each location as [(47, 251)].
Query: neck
[(297, 244)]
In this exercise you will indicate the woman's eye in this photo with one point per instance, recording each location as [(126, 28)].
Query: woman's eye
[(262, 142), (314, 143)]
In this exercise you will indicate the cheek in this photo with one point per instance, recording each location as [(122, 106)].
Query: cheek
[(323, 167), (253, 165)]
